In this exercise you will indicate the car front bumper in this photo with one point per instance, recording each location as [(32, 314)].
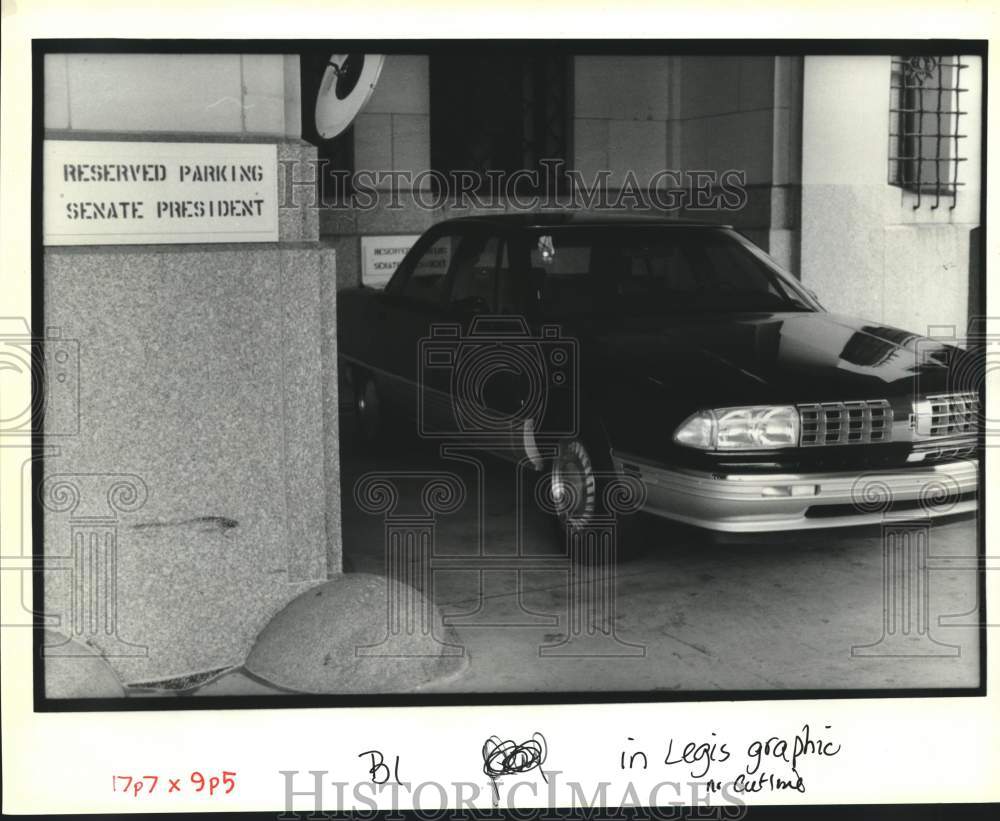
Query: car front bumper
[(755, 503)]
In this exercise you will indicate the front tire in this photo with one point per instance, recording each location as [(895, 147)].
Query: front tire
[(578, 477)]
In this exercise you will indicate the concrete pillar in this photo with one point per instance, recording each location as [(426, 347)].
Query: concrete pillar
[(206, 371), (868, 248)]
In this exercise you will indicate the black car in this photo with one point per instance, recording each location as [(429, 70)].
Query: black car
[(665, 365)]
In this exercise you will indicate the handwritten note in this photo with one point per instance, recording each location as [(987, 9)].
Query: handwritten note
[(765, 763), (715, 768)]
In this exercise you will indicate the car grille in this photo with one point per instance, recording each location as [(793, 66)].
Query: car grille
[(951, 414), (845, 423), (942, 454)]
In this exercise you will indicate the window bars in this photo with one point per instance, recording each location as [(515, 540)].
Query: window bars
[(925, 126)]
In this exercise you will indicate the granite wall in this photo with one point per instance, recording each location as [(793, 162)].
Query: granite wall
[(200, 493), (202, 375)]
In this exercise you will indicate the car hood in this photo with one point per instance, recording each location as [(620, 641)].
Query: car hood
[(773, 358)]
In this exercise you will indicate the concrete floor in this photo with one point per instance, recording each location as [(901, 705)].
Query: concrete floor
[(689, 615)]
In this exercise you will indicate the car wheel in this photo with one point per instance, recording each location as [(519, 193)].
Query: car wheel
[(577, 479)]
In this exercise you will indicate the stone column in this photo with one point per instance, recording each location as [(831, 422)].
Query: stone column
[(206, 371)]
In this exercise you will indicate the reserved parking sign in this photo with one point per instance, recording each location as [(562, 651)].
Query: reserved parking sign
[(126, 193)]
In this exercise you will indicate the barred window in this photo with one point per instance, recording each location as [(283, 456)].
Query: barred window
[(925, 127)]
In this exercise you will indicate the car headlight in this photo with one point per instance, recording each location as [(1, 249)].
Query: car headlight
[(750, 428)]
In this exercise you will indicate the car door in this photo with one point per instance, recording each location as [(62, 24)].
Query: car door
[(470, 292), (481, 346)]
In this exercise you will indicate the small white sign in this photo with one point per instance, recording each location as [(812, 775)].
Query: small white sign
[(128, 193), (381, 255)]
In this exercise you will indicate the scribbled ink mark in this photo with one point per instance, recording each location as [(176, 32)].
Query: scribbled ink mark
[(509, 758)]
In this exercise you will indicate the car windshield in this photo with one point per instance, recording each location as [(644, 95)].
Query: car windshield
[(657, 270)]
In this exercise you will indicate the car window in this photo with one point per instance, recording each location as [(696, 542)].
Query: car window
[(644, 270), (729, 268), (567, 286), (474, 277), (425, 280)]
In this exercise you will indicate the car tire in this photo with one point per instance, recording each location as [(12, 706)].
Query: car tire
[(577, 477)]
